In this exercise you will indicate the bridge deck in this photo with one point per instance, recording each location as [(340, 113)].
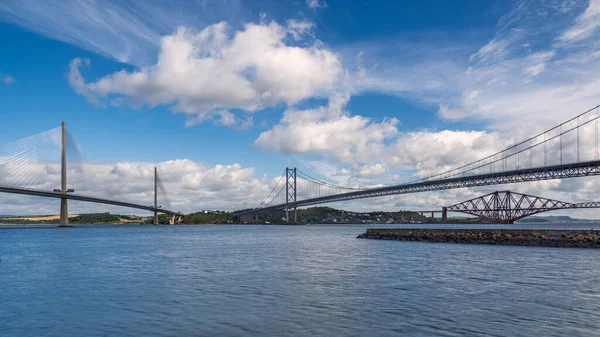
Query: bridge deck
[(59, 195), (583, 169)]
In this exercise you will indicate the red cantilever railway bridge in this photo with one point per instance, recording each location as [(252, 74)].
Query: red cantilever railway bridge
[(508, 207)]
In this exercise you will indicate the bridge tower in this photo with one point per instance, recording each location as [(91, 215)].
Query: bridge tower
[(290, 193), (155, 196), (64, 209)]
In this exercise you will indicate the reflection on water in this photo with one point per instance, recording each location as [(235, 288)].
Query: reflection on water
[(287, 281)]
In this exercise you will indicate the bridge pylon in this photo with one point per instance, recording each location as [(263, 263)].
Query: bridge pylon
[(64, 208), (290, 193), (155, 196)]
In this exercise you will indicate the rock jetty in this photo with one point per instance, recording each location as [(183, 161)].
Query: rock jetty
[(515, 237)]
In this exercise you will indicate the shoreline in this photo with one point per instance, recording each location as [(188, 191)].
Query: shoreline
[(508, 237)]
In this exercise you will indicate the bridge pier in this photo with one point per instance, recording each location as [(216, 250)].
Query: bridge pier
[(444, 214), (64, 213)]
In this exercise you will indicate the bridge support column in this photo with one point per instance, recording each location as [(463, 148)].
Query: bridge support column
[(290, 195), (444, 214), (64, 213), (155, 196), (64, 208)]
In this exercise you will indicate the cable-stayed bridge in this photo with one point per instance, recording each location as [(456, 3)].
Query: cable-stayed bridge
[(28, 163), (568, 150)]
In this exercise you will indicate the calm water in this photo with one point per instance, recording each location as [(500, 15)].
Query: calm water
[(286, 281)]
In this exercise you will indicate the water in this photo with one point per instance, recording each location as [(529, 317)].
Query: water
[(286, 281)]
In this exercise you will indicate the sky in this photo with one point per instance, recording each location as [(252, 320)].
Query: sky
[(223, 95)]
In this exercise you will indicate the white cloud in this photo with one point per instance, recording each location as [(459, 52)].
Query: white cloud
[(361, 148), (77, 82), (585, 25), (528, 76), (216, 70), (128, 31), (314, 4), (343, 172), (7, 79), (327, 130), (191, 186), (536, 63), (522, 81), (223, 118), (446, 112), (496, 49), (299, 28), (371, 170)]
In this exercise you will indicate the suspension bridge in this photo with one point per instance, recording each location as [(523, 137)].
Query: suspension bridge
[(568, 150), (27, 164)]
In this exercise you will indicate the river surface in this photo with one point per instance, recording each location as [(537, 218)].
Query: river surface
[(287, 281)]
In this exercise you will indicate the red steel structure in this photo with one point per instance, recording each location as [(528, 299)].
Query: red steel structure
[(508, 207)]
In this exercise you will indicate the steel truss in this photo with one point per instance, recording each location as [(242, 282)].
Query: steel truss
[(507, 206)]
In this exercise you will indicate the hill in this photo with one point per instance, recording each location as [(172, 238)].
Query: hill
[(87, 219)]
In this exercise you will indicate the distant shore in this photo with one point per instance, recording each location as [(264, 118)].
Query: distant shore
[(514, 237)]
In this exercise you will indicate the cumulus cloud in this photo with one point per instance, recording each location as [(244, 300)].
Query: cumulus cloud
[(342, 172), (361, 148), (328, 130), (371, 170), (191, 186), (76, 80), (203, 74)]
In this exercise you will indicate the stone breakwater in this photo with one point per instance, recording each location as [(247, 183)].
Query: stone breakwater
[(515, 237)]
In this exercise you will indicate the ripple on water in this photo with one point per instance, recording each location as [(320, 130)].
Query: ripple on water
[(286, 281)]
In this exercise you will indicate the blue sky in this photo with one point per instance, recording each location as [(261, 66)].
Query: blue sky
[(359, 92), (41, 96)]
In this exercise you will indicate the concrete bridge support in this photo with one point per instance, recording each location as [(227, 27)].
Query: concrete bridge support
[(444, 214), (175, 219)]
